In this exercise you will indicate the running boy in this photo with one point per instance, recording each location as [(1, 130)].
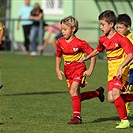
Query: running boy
[(119, 52), (123, 24), (72, 49)]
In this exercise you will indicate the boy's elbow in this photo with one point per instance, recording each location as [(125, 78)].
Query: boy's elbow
[(131, 55)]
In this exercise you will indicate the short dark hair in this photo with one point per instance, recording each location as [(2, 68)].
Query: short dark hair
[(109, 16), (124, 19)]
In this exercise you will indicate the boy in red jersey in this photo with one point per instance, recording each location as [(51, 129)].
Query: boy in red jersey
[(72, 49), (123, 24), (119, 52)]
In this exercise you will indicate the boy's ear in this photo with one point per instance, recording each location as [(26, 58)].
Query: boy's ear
[(73, 29), (112, 24), (128, 28)]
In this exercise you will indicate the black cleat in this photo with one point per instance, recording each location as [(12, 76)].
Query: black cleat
[(1, 85), (75, 120), (101, 94)]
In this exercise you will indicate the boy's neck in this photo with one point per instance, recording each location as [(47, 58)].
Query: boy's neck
[(111, 33), (70, 39), (128, 33)]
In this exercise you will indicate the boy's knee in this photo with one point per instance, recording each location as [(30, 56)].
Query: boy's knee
[(111, 100)]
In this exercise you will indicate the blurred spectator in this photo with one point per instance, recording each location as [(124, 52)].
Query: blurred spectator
[(2, 27), (24, 13), (54, 28), (36, 14)]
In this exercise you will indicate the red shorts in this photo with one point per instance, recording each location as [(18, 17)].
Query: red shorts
[(74, 72), (116, 83)]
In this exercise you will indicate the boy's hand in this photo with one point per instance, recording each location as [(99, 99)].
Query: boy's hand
[(119, 72), (88, 73), (59, 74), (82, 59)]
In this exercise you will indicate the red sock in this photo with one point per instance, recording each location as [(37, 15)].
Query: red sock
[(89, 95), (127, 97), (121, 108), (76, 105)]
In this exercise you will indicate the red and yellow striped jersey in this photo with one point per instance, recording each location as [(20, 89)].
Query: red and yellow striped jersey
[(117, 49), (115, 46), (73, 50), (130, 37)]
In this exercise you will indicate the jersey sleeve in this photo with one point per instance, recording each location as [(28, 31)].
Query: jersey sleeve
[(86, 47), (100, 46), (58, 51), (126, 45)]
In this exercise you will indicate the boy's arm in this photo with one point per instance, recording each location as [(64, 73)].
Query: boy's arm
[(94, 53), (131, 62), (2, 29), (89, 71), (125, 62), (58, 71), (1, 35)]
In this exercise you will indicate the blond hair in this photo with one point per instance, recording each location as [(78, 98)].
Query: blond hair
[(70, 21)]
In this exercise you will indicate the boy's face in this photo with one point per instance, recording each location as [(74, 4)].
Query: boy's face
[(105, 27), (67, 31), (122, 29)]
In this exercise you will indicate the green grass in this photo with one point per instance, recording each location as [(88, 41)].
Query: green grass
[(33, 100)]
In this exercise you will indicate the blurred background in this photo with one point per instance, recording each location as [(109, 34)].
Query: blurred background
[(86, 12)]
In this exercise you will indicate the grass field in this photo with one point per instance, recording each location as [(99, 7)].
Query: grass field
[(33, 100)]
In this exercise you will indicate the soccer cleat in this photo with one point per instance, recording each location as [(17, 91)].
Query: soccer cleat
[(1, 85), (124, 124), (75, 120), (101, 94)]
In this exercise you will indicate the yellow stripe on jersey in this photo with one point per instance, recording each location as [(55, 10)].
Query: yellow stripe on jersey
[(71, 58), (130, 37), (115, 53)]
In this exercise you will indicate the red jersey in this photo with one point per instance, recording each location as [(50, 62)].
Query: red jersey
[(115, 46), (73, 50), (117, 49)]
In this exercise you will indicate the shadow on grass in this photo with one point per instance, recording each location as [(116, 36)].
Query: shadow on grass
[(113, 118), (1, 123), (103, 120), (36, 93)]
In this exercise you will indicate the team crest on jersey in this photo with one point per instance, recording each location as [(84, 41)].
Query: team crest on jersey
[(104, 44), (75, 49), (116, 44)]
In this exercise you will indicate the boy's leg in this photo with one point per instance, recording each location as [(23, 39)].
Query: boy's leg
[(121, 109), (127, 104), (92, 94), (127, 97), (76, 104)]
